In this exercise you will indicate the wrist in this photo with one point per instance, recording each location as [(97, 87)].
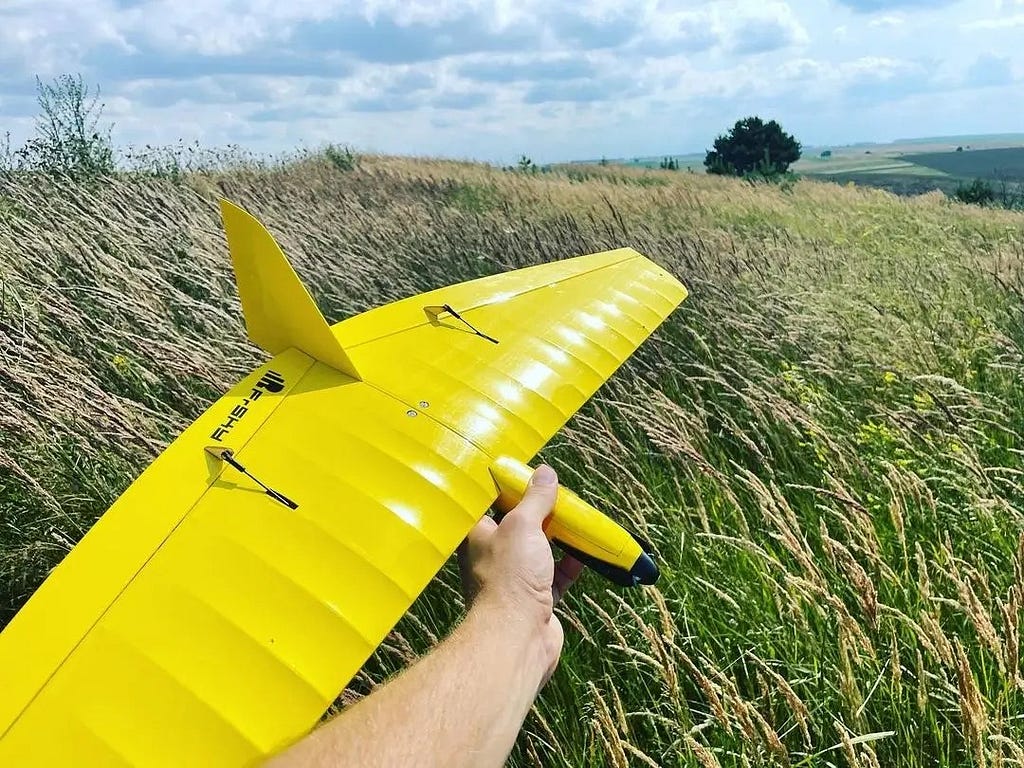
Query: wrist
[(516, 632)]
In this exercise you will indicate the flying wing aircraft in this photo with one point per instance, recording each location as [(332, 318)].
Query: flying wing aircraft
[(215, 611)]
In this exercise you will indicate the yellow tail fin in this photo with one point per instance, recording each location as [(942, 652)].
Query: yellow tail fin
[(279, 312)]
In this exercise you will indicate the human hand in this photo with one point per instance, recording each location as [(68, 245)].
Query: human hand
[(510, 566)]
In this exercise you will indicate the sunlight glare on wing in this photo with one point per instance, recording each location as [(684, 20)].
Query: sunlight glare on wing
[(482, 424), (510, 392), (406, 513), (500, 298), (591, 321), (557, 356), (571, 335), (534, 375), (431, 475)]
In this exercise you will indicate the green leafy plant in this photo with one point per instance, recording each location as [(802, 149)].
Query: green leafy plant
[(70, 138)]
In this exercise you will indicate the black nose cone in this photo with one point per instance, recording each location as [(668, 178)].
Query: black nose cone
[(644, 571)]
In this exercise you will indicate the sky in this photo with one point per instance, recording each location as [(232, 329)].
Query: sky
[(495, 79)]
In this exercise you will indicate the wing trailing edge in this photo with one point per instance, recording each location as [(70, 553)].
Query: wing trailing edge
[(279, 312)]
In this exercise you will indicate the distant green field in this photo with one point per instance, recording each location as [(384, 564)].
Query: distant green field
[(909, 173), (1000, 164), (975, 140), (881, 165)]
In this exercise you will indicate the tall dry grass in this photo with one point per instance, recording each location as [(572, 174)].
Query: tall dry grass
[(824, 442)]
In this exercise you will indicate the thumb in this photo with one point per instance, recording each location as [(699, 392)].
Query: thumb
[(539, 499)]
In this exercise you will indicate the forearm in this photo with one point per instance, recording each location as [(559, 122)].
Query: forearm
[(461, 705)]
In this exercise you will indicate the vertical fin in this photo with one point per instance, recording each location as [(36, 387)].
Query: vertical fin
[(279, 312)]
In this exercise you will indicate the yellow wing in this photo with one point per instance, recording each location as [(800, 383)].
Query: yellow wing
[(560, 329), (203, 621)]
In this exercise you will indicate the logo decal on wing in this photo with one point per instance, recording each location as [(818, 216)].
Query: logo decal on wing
[(271, 382)]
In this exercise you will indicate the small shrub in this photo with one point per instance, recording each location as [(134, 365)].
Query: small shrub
[(342, 158), (526, 165), (978, 192)]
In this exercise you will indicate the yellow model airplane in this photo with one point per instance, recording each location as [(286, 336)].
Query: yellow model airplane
[(221, 604)]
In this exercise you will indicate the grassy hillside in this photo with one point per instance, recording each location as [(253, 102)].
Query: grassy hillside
[(824, 442)]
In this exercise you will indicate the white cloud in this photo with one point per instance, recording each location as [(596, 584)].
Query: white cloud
[(887, 21), (1001, 23), (802, 70), (772, 26), (494, 78), (873, 77)]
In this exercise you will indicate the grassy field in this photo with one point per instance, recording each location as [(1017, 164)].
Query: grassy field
[(863, 164), (824, 442)]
